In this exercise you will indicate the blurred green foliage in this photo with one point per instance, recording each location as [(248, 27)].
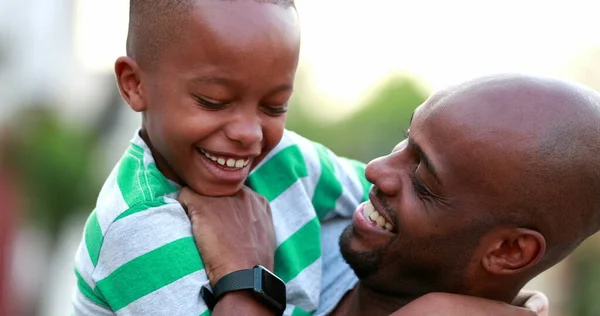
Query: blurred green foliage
[(53, 160), (584, 292), (371, 132)]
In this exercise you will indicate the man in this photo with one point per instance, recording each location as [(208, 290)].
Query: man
[(498, 180)]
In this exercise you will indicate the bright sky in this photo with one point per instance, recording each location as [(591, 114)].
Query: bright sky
[(349, 47)]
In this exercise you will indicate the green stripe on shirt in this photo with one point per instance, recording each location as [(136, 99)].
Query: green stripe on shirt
[(93, 237), (298, 251), (143, 206), (150, 272), (279, 173), (359, 167), (329, 188), (87, 291), (300, 312), (138, 182)]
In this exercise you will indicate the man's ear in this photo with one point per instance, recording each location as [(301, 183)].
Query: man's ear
[(128, 80), (513, 250)]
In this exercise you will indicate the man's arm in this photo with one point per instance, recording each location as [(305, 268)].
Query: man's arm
[(445, 304), (234, 233)]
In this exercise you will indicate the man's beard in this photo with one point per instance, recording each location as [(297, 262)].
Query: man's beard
[(364, 263)]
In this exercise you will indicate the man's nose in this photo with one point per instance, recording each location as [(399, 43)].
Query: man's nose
[(383, 174)]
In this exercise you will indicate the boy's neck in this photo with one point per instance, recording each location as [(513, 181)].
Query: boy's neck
[(161, 163)]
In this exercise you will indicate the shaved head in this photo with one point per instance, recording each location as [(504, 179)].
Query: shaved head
[(498, 180), (551, 129), (155, 24)]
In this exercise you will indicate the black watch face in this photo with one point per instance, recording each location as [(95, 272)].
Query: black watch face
[(273, 287)]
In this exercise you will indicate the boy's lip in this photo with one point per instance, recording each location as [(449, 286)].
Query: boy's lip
[(229, 155)]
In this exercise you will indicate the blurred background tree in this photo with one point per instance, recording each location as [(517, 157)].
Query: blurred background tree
[(370, 132)]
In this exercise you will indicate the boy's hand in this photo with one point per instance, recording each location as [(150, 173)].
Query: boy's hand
[(232, 232), (447, 304)]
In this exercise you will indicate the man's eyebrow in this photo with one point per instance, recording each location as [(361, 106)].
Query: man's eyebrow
[(426, 161), (411, 117)]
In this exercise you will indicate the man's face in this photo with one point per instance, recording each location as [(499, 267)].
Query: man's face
[(432, 192), (216, 101)]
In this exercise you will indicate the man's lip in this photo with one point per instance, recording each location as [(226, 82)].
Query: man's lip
[(366, 227), (376, 201)]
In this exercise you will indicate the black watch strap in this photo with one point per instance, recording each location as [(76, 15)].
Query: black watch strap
[(237, 280)]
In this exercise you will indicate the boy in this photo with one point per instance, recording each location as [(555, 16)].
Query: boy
[(212, 80)]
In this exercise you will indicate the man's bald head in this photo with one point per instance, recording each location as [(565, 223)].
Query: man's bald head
[(498, 180), (155, 24), (552, 130)]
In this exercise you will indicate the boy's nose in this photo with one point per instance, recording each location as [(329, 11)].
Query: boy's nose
[(247, 130)]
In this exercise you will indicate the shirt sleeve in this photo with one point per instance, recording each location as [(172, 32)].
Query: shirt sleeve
[(145, 263), (341, 186)]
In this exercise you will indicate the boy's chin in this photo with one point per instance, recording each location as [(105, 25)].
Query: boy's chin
[(216, 190)]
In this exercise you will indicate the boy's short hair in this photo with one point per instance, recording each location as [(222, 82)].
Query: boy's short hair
[(153, 25)]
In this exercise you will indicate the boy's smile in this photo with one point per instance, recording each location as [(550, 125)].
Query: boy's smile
[(214, 102)]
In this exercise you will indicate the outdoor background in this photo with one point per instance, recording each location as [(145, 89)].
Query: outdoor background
[(365, 66)]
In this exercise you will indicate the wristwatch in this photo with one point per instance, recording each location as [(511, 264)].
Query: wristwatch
[(266, 286)]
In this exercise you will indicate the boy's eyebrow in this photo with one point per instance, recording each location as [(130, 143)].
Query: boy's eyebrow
[(218, 80), (229, 82)]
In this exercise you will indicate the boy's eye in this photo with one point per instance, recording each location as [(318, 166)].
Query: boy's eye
[(276, 110), (209, 104)]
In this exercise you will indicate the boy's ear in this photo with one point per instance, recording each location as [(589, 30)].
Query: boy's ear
[(513, 250), (128, 80)]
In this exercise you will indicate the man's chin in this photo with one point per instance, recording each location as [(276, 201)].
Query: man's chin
[(364, 263)]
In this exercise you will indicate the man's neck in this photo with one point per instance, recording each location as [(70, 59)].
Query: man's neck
[(364, 301)]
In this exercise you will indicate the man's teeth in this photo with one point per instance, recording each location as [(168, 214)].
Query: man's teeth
[(370, 213), (229, 162)]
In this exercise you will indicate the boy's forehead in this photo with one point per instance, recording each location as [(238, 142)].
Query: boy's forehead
[(216, 29), (156, 25)]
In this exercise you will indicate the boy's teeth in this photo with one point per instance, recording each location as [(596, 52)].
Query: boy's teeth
[(229, 162), (370, 213)]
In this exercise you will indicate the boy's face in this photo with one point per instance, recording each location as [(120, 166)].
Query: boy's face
[(215, 103)]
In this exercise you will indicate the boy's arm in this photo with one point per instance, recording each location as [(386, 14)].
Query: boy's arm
[(83, 306), (143, 263), (341, 187)]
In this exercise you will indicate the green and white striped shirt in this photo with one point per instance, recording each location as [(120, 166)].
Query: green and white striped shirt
[(138, 256)]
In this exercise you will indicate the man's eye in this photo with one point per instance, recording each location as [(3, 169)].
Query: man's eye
[(211, 105), (419, 188)]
